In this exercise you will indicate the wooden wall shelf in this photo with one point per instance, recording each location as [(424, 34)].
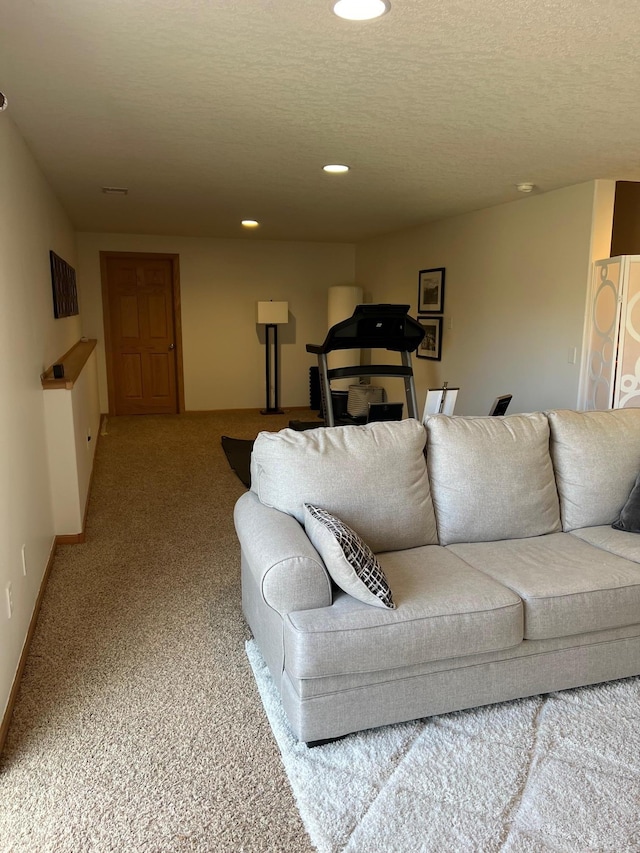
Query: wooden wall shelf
[(73, 361)]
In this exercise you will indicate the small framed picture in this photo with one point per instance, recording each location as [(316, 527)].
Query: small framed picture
[(431, 291), (431, 344)]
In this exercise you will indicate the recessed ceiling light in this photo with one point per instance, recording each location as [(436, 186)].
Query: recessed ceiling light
[(250, 223), (115, 190), (525, 187), (361, 10), (4, 101), (336, 168)]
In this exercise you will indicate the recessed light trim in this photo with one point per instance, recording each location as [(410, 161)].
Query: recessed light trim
[(250, 223), (361, 10), (336, 168), (115, 190), (525, 187), (4, 101)]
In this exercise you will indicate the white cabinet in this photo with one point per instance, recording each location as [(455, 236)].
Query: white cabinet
[(72, 419), (610, 376)]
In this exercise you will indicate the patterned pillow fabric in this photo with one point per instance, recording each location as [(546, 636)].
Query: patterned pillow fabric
[(350, 562), (630, 513)]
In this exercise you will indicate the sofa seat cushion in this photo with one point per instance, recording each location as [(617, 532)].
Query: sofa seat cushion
[(596, 456), (309, 687), (619, 542), (444, 609), (567, 585), (491, 478), (372, 477)]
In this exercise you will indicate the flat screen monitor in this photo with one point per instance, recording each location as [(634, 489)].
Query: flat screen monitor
[(385, 412), (500, 404), (440, 401)]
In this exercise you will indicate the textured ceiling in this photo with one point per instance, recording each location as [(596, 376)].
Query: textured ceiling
[(211, 111)]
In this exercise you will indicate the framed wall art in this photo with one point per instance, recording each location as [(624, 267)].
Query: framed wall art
[(63, 281), (431, 291), (431, 344)]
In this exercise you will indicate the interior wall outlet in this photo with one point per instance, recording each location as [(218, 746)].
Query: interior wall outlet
[(24, 560), (9, 600), (571, 355)]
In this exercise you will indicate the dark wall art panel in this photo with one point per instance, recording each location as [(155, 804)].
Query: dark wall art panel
[(65, 294)]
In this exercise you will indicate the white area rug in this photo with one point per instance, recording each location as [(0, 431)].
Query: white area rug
[(559, 772)]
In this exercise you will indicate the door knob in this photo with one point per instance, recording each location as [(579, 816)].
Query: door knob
[(172, 346)]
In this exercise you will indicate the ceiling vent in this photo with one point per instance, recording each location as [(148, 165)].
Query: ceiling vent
[(115, 190)]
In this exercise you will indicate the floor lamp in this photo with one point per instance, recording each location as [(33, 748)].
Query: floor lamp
[(270, 315)]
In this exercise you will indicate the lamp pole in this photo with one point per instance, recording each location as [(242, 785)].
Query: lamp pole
[(271, 314), (271, 376)]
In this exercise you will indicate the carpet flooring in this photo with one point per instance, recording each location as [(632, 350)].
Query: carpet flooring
[(558, 773), (138, 725)]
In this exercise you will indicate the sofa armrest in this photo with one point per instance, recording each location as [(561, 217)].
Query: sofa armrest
[(286, 567)]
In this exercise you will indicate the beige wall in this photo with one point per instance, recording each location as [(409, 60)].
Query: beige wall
[(515, 291), (220, 282), (601, 230), (602, 224), (31, 223)]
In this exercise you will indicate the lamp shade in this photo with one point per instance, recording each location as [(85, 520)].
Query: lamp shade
[(272, 313)]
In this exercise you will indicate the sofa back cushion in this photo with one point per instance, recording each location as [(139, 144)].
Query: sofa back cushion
[(491, 478), (596, 456), (373, 477)]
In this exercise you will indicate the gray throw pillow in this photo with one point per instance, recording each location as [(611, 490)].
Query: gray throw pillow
[(350, 562), (630, 513)]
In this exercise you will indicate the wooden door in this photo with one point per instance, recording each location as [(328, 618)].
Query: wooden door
[(141, 335)]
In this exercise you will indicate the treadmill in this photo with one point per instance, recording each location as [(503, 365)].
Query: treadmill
[(370, 327)]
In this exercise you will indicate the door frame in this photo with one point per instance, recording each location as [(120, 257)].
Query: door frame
[(177, 319)]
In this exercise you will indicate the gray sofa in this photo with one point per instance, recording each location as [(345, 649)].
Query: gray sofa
[(497, 544)]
